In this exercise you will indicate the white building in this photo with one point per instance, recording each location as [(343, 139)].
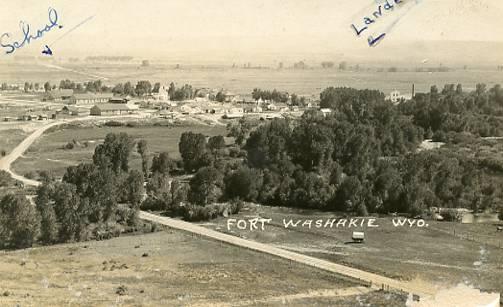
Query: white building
[(161, 94), (396, 97)]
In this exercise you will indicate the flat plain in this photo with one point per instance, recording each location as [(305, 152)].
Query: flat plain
[(49, 152), (169, 268), (430, 255)]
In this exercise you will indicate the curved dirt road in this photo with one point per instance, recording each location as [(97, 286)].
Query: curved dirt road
[(6, 162)]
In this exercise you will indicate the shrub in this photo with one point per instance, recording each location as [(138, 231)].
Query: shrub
[(450, 215), (236, 205), (3, 153), (153, 204), (439, 136), (234, 152), (107, 230), (113, 123), (31, 175), (195, 213), (69, 145), (5, 179)]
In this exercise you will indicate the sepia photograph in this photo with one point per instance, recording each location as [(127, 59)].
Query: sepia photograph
[(251, 153)]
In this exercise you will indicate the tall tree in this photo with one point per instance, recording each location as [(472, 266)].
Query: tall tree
[(162, 163), (206, 186), (142, 149), (192, 147), (114, 152), (19, 222)]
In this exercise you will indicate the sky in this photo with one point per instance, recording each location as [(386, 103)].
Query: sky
[(202, 30)]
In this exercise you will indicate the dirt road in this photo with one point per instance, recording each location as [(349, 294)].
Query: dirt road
[(377, 281), (6, 162)]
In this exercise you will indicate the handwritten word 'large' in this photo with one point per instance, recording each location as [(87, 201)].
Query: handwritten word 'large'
[(373, 41), (27, 35)]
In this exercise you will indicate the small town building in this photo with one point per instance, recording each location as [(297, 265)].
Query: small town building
[(27, 117), (90, 98), (325, 111), (477, 218), (231, 97), (161, 94), (118, 100), (110, 109), (396, 97), (70, 110), (232, 115)]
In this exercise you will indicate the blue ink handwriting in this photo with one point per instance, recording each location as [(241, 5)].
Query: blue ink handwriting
[(27, 36), (374, 17)]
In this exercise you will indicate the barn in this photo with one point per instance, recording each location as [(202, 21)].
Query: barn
[(110, 109)]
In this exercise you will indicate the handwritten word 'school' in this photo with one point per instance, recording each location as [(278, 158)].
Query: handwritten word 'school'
[(373, 41), (27, 35)]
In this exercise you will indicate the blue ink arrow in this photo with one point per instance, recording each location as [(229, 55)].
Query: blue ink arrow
[(47, 50), (374, 41)]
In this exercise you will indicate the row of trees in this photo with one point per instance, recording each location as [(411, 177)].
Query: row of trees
[(93, 199), (273, 95), (453, 110)]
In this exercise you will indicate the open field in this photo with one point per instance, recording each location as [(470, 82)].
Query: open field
[(242, 81), (180, 270), (11, 138), (422, 255), (48, 152)]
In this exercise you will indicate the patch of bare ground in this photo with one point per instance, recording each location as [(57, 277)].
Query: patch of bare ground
[(167, 268)]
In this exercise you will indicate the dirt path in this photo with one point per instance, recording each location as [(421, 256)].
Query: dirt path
[(6, 162), (377, 281)]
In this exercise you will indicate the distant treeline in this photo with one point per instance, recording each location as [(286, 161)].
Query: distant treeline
[(109, 58)]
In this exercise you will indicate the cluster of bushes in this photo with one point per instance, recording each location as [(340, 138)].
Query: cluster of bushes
[(71, 145), (113, 123), (453, 110), (5, 179), (273, 95), (93, 200), (196, 213)]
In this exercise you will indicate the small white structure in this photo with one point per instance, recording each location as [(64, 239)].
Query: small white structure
[(358, 236), (325, 111), (396, 97)]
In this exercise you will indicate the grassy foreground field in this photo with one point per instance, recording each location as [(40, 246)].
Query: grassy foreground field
[(425, 255), (10, 138), (169, 268), (48, 153)]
